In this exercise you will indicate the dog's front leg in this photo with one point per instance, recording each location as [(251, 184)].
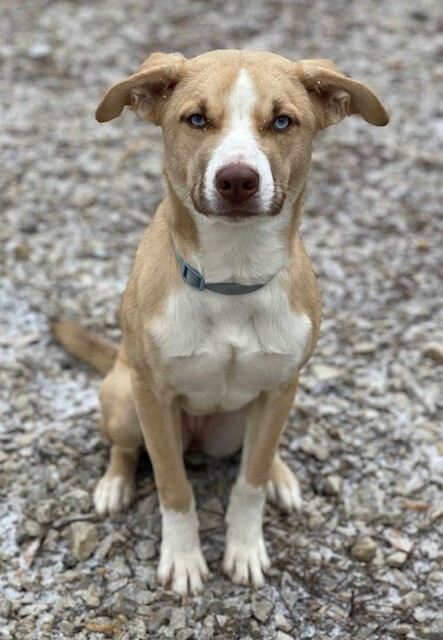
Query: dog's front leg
[(181, 561), (245, 557)]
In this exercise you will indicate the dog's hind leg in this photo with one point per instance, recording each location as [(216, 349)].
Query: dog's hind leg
[(120, 424)]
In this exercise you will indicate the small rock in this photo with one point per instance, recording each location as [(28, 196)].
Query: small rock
[(84, 539), (422, 244), (39, 51), (421, 614), (221, 620), (436, 514), (413, 599), (145, 549), (32, 529), (209, 621), (21, 251), (399, 540), (47, 621), (68, 562), (92, 597), (397, 559), (77, 500), (308, 445), (434, 579), (367, 502), (185, 634), (435, 630), (364, 549), (333, 485), (119, 604), (5, 607), (282, 636), (282, 623), (108, 542), (402, 629), (364, 348), (314, 558), (430, 548), (46, 511), (325, 372), (434, 350), (261, 608), (32, 610), (365, 632), (177, 619)]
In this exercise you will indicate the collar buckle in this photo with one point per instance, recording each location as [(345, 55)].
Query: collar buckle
[(192, 277)]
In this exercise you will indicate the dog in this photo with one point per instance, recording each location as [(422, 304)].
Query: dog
[(222, 308)]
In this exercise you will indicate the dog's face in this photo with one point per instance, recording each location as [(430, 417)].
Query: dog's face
[(238, 136), (238, 126)]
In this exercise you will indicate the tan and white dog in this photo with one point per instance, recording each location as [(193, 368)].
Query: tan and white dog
[(197, 364)]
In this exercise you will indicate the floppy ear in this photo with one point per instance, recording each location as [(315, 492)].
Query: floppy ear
[(335, 95), (146, 90)]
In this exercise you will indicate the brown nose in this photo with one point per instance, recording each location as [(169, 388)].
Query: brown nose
[(237, 183)]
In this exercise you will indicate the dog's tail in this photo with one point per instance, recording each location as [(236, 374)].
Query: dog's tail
[(85, 345)]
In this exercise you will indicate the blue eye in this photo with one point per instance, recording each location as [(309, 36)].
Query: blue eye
[(282, 122), (197, 120)]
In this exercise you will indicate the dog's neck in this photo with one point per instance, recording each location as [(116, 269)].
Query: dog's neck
[(247, 252)]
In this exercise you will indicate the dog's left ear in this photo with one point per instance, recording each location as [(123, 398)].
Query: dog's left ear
[(146, 90), (335, 96)]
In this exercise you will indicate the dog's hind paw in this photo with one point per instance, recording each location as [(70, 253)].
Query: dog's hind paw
[(283, 488), (246, 564), (112, 495)]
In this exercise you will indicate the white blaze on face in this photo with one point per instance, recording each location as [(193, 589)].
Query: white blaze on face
[(239, 144)]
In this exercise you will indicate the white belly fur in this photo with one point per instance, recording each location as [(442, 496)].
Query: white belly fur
[(221, 351)]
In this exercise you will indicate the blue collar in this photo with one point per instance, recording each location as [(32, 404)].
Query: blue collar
[(194, 279)]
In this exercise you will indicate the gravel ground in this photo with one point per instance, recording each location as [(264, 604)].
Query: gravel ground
[(365, 557)]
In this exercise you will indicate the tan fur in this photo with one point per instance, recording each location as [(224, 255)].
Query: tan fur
[(267, 417), (85, 345)]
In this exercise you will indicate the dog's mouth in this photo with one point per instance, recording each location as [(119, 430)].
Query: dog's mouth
[(242, 212)]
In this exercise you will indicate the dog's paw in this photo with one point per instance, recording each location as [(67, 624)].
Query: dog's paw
[(283, 488), (182, 565), (246, 563), (112, 495), (184, 571)]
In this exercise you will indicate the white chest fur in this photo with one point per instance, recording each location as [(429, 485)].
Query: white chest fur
[(221, 351)]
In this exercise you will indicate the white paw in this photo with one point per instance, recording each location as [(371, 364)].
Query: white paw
[(246, 563), (185, 571), (181, 562), (113, 494), (245, 557)]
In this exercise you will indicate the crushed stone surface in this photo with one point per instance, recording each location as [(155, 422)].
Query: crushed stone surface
[(366, 435)]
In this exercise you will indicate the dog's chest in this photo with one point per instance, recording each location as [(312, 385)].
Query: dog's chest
[(219, 352)]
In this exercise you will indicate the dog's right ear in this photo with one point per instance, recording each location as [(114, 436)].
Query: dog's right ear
[(146, 90)]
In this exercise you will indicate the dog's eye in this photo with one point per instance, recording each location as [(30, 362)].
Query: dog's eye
[(282, 122), (197, 120)]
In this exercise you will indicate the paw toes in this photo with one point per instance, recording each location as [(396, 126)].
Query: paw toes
[(245, 564), (185, 573), (285, 493), (113, 495)]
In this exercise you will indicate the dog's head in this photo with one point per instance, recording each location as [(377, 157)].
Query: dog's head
[(238, 126)]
